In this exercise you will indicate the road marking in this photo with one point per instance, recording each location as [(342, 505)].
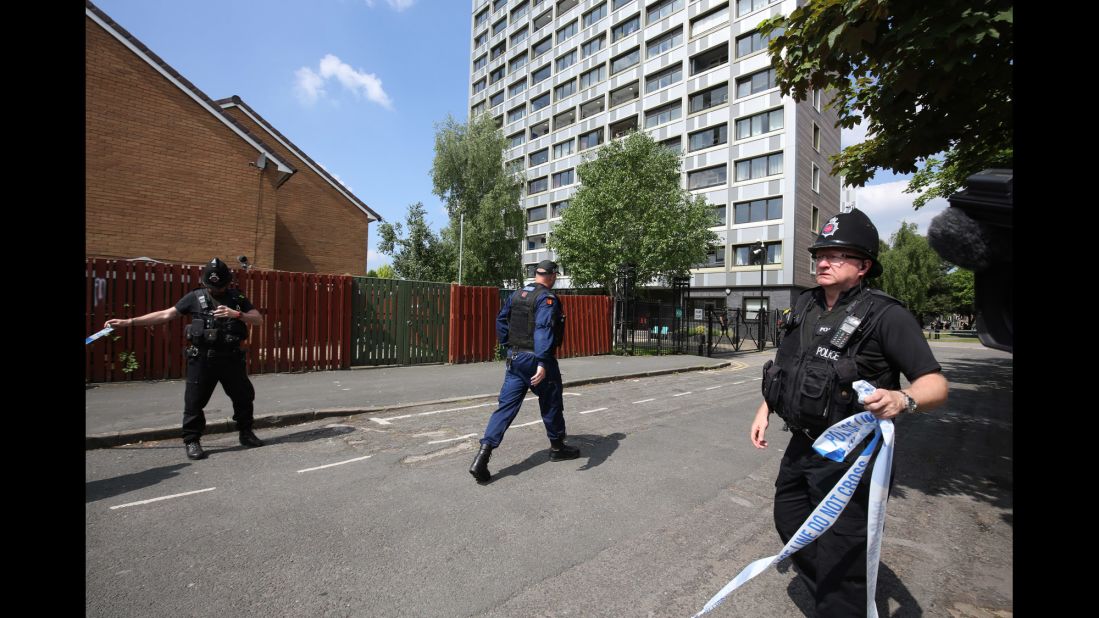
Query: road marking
[(338, 463), (387, 420), (681, 394), (646, 400), (526, 424), (741, 382), (468, 435), (590, 411), (710, 388), (186, 493)]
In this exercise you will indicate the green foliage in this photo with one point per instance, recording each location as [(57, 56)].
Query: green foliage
[(385, 271), (418, 253), (630, 208), (469, 175), (128, 361), (911, 269), (929, 78)]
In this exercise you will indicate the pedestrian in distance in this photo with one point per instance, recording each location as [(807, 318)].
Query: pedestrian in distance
[(220, 317), (839, 332), (531, 325)]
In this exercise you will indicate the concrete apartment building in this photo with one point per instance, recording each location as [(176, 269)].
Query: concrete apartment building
[(563, 76)]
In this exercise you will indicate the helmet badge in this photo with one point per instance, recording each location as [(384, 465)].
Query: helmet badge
[(830, 227), (213, 277)]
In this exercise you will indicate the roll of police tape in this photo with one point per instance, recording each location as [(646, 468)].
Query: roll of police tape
[(834, 443), (97, 335)]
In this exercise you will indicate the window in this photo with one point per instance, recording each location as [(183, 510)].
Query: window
[(539, 157), (535, 243), (499, 4), (595, 15), (593, 45), (499, 26), (517, 62), (539, 102), (709, 20), (664, 42), (673, 143), (480, 39), (567, 31), (624, 61), (516, 139), (496, 75), (498, 50), (757, 210), (620, 3), (719, 215), (480, 63), (709, 177), (517, 87), (530, 269), (660, 115), (517, 113), (481, 19), (542, 47), (519, 36), (816, 100), (539, 129), (756, 82), (743, 7), (564, 119), (557, 208), (743, 254), (562, 149), (540, 75), (706, 138), (478, 85), (593, 77), (519, 11), (536, 214), (561, 179), (564, 90), (816, 178), (626, 28), (496, 99), (477, 110), (751, 43), (710, 58), (538, 185), (815, 221), (759, 167), (543, 20), (714, 257), (499, 122), (566, 61), (566, 5), (660, 10), (592, 107), (591, 139), (816, 137), (624, 94), (759, 124), (711, 97), (667, 77), (622, 127)]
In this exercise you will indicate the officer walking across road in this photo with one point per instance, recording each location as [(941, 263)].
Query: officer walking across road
[(837, 333), (220, 317), (531, 324)]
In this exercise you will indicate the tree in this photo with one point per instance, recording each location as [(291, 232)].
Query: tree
[(930, 78), (385, 271), (417, 252), (910, 269), (469, 175), (630, 208)]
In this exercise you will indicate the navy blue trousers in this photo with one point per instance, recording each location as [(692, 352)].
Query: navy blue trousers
[(516, 383)]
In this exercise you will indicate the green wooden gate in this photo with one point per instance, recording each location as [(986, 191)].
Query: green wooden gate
[(399, 322)]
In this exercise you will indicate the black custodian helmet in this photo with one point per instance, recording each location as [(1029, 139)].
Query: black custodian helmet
[(851, 230), (216, 274)]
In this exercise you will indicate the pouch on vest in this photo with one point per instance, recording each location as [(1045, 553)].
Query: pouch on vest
[(816, 382), (772, 386)]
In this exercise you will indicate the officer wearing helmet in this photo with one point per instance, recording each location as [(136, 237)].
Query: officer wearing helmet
[(532, 326), (220, 317), (839, 332)]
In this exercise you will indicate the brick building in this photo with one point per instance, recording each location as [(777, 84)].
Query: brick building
[(176, 176)]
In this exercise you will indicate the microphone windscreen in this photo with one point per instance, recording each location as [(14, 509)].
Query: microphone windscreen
[(960, 240)]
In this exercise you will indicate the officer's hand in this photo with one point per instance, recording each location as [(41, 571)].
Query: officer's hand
[(884, 404), (538, 376), (116, 322), (759, 428), (224, 312)]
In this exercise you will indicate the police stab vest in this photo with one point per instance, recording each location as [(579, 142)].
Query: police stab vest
[(207, 331), (521, 319), (808, 384)]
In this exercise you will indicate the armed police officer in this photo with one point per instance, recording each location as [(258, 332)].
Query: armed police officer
[(531, 324), (837, 333), (220, 317)]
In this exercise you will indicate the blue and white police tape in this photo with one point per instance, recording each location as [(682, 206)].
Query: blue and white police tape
[(834, 444), (98, 335)]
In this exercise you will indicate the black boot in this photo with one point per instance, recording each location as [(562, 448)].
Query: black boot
[(249, 439), (559, 451), (479, 469), (194, 450)]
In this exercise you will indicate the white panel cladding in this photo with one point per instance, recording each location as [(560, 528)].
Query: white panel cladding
[(755, 147), (660, 97), (710, 40), (633, 108), (751, 64), (706, 159), (713, 77), (752, 191), (709, 118)]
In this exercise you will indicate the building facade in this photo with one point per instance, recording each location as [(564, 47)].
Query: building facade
[(562, 77)]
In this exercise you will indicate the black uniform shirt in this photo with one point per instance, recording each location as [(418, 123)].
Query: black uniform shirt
[(231, 298)]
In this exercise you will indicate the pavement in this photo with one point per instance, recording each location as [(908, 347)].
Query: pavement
[(128, 412)]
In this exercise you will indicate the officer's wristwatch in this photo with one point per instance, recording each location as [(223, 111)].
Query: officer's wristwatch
[(909, 402)]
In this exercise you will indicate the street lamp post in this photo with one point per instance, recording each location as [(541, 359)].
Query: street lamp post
[(461, 242), (759, 251)]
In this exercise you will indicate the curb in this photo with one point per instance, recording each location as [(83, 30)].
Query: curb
[(278, 419)]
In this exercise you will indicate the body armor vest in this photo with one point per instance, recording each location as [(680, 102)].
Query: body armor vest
[(808, 384), (207, 331), (521, 319)]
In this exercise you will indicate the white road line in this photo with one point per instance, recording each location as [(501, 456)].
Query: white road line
[(646, 400), (710, 388), (338, 463), (681, 394), (741, 382), (387, 420), (468, 435), (590, 411), (186, 493), (530, 423)]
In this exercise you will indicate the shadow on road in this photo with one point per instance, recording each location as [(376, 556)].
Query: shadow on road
[(107, 488), (889, 587), (596, 448)]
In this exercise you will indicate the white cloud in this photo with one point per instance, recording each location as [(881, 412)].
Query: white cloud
[(309, 84), (396, 5), (887, 205), (854, 135)]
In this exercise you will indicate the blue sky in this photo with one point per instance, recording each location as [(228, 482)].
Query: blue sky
[(358, 85)]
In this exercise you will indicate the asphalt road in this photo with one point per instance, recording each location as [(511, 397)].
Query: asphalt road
[(376, 515)]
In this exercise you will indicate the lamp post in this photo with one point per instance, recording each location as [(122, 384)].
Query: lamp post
[(759, 252), (461, 242)]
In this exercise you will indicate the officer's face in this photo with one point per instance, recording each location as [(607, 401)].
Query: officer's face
[(840, 269)]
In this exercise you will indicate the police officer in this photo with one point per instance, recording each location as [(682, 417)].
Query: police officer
[(220, 317), (532, 325), (837, 333)]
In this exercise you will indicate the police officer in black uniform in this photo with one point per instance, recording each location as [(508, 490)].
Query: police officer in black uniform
[(220, 317), (532, 325), (837, 333)]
